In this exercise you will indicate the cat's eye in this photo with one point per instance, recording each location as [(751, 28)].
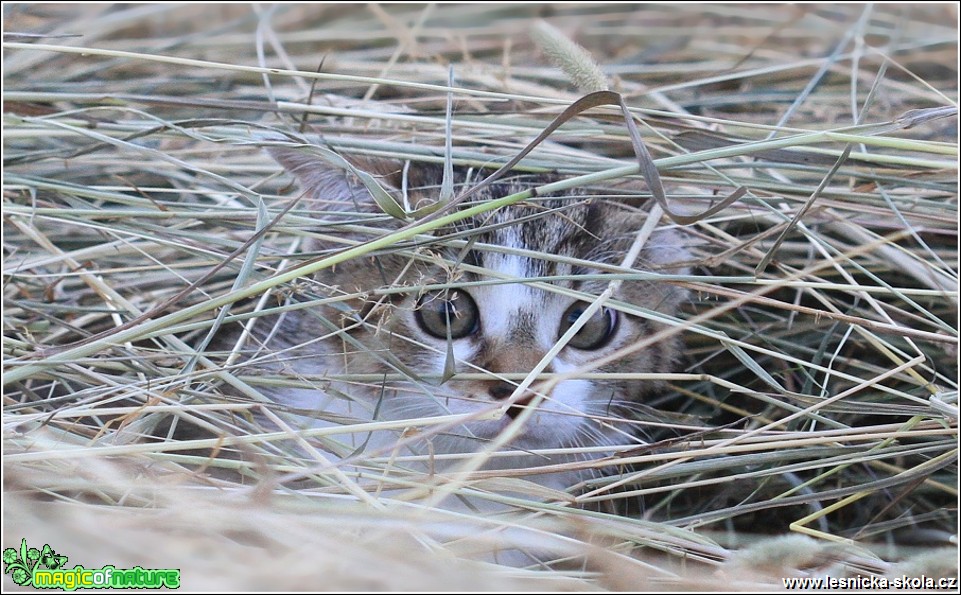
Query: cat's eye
[(454, 309), (595, 333)]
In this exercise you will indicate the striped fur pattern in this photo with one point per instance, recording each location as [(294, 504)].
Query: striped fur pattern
[(394, 323)]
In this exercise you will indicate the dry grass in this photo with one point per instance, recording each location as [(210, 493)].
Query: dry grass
[(820, 383)]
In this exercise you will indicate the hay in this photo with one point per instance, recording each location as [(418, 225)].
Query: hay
[(819, 390)]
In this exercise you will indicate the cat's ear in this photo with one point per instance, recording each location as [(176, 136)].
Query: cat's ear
[(668, 249), (338, 183)]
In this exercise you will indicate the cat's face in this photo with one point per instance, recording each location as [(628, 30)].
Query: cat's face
[(515, 272)]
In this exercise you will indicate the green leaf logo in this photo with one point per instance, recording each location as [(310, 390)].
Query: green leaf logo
[(19, 565)]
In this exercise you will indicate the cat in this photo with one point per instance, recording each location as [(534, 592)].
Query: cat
[(383, 315)]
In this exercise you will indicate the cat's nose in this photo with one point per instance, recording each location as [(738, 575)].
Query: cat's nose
[(501, 390)]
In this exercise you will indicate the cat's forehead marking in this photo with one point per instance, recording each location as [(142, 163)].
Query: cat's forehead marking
[(514, 313), (510, 304)]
